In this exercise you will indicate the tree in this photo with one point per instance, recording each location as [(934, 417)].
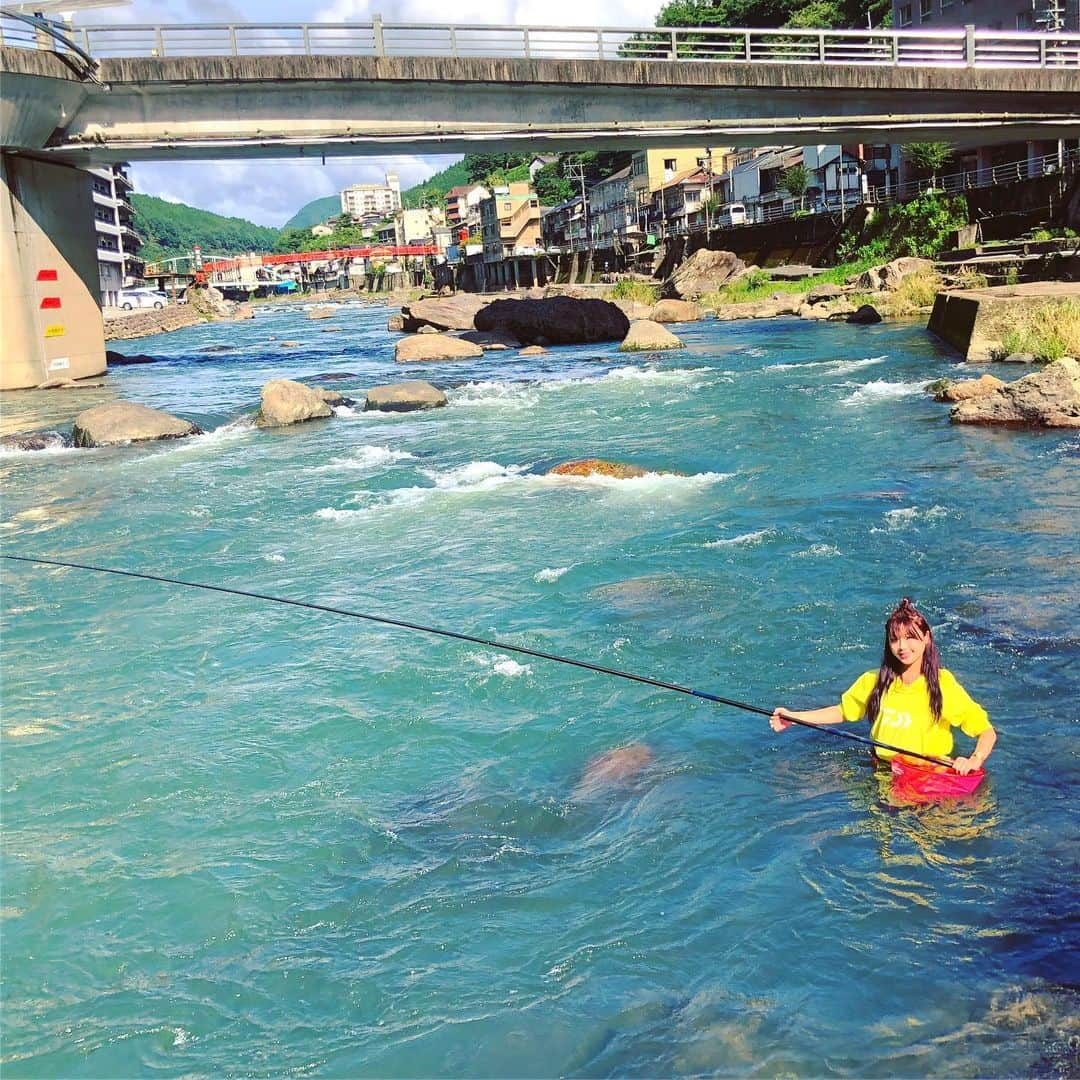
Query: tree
[(551, 186), (795, 181), (928, 157)]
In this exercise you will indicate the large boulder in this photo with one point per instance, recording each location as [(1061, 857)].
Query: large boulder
[(672, 311), (417, 348), (889, 275), (557, 320), (122, 422), (1047, 398), (243, 313), (208, 302), (704, 272), (286, 402), (634, 309), (115, 359), (404, 397), (648, 336), (321, 313), (455, 312)]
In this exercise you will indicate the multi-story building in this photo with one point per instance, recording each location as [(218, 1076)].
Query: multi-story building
[(1048, 16), (612, 210), (366, 201), (463, 204), (510, 222), (117, 241), (559, 224)]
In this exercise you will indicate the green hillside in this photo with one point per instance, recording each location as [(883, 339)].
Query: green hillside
[(170, 229), (314, 212)]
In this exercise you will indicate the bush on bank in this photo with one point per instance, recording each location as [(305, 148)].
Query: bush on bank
[(1048, 333)]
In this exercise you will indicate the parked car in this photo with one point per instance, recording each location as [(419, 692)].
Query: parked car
[(133, 298)]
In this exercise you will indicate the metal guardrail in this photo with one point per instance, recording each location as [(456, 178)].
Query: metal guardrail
[(952, 47)]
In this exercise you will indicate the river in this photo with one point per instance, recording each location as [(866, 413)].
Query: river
[(246, 839)]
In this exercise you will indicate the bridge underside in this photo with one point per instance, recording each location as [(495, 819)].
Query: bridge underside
[(220, 107)]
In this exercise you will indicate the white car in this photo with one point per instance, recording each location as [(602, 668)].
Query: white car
[(133, 298)]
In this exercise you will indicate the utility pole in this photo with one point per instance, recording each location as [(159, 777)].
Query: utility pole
[(576, 171), (708, 195)]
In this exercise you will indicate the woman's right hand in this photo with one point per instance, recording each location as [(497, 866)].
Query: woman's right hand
[(777, 721)]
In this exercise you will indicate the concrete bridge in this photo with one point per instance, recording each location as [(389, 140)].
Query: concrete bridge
[(641, 88)]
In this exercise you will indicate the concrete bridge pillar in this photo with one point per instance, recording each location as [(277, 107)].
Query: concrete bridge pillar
[(49, 287)]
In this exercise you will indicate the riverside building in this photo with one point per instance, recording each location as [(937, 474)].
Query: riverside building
[(117, 241)]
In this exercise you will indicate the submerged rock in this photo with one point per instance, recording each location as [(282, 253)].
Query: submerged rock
[(122, 422), (404, 397), (321, 313), (34, 440), (613, 768), (417, 348), (597, 467), (648, 336), (1047, 398), (286, 402), (115, 359)]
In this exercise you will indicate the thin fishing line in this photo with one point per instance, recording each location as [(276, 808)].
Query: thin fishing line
[(385, 620)]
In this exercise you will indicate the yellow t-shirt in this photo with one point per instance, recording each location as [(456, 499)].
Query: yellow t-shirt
[(904, 717)]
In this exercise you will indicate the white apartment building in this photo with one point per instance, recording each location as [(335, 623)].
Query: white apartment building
[(368, 201), (117, 240)]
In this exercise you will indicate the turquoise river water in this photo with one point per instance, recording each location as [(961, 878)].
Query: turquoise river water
[(241, 839)]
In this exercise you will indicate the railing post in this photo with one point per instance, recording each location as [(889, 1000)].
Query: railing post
[(599, 44), (674, 54), (159, 41), (821, 47), (453, 42), (894, 42), (377, 33), (969, 44), (1042, 50), (307, 40), (746, 46), (232, 41), (527, 43)]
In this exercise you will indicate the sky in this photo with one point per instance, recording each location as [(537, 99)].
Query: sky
[(270, 191)]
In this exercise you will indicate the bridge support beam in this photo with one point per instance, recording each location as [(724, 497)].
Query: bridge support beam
[(49, 290)]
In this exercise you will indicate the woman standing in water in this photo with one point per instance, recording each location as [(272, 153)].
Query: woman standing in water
[(911, 701)]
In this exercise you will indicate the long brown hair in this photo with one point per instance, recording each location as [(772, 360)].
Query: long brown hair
[(907, 616)]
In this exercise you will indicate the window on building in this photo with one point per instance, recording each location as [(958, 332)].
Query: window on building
[(1024, 20), (905, 14), (669, 163), (926, 9)]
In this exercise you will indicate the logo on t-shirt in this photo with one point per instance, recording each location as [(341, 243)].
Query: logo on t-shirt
[(893, 718)]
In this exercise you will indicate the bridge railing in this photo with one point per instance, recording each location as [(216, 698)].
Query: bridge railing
[(962, 46)]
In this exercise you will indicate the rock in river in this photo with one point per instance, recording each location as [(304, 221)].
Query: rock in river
[(421, 347), (1047, 398), (122, 422), (404, 397), (286, 402), (558, 320), (648, 336)]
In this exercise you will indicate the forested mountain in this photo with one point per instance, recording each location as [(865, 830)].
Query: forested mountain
[(314, 212), (170, 229)]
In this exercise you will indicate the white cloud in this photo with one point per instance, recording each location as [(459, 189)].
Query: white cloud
[(269, 192)]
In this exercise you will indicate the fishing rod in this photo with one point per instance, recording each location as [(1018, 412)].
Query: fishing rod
[(385, 620)]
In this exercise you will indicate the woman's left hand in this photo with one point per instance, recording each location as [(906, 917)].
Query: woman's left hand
[(964, 765)]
